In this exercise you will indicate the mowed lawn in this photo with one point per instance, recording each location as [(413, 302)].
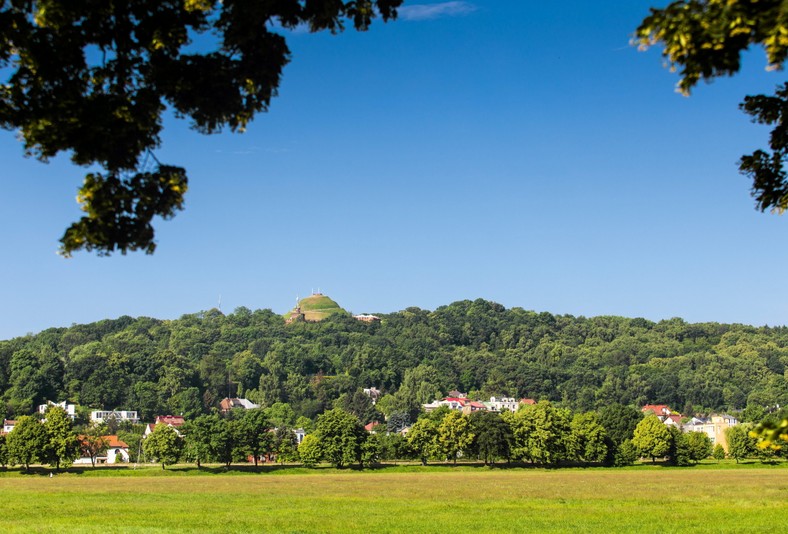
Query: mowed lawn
[(462, 501)]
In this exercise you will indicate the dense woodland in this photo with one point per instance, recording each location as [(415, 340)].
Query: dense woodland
[(186, 366)]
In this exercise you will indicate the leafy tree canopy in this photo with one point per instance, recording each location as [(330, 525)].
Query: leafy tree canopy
[(652, 438), (704, 39), (93, 78)]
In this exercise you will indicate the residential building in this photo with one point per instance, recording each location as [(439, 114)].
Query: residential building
[(371, 427), (714, 427), (499, 404), (664, 413), (173, 421), (463, 404), (117, 452), (102, 416), (8, 425), (71, 409), (227, 404)]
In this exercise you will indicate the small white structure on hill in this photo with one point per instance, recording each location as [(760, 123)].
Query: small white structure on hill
[(71, 409)]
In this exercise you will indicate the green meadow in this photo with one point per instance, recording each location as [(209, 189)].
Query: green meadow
[(404, 499)]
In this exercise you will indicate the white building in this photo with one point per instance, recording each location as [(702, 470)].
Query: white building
[(71, 409), (102, 416), (499, 404), (117, 452)]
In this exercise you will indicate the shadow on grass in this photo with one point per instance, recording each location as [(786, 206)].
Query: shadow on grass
[(132, 470)]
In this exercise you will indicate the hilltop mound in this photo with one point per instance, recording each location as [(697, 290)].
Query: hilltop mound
[(314, 308)]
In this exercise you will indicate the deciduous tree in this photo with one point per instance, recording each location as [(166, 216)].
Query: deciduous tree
[(705, 39), (620, 421), (27, 441), (492, 436), (4, 458), (92, 443), (454, 435), (740, 444), (163, 445), (94, 79), (422, 438), (652, 438), (253, 434), (310, 450), (587, 439), (541, 433), (198, 437), (699, 444), (341, 437), (62, 446)]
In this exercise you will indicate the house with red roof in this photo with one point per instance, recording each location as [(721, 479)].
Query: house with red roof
[(117, 452), (8, 425), (462, 404), (371, 427), (659, 410), (173, 421), (664, 413)]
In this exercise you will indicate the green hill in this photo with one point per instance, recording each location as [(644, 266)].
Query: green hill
[(317, 307)]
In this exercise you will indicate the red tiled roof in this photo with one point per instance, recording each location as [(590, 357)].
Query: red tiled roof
[(371, 426), (113, 442), (527, 401), (174, 420), (658, 409)]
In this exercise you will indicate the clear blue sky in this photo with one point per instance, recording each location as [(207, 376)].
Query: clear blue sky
[(521, 152)]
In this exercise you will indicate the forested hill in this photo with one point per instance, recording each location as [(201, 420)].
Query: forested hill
[(184, 366)]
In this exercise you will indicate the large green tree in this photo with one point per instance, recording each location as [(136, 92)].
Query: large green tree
[(699, 444), (492, 436), (705, 39), (619, 421), (541, 433), (254, 436), (740, 444), (652, 438), (163, 445), (341, 437), (587, 439), (454, 435), (62, 446), (27, 441), (422, 438), (93, 78), (198, 438)]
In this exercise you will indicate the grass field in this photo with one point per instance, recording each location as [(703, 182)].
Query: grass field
[(402, 500)]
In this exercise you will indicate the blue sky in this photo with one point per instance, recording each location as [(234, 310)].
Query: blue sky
[(521, 152)]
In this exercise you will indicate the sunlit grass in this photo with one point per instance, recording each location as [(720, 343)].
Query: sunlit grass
[(410, 499)]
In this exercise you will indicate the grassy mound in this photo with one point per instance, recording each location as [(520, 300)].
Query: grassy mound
[(317, 307)]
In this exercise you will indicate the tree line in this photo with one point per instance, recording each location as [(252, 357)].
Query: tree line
[(540, 434), (185, 366)]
